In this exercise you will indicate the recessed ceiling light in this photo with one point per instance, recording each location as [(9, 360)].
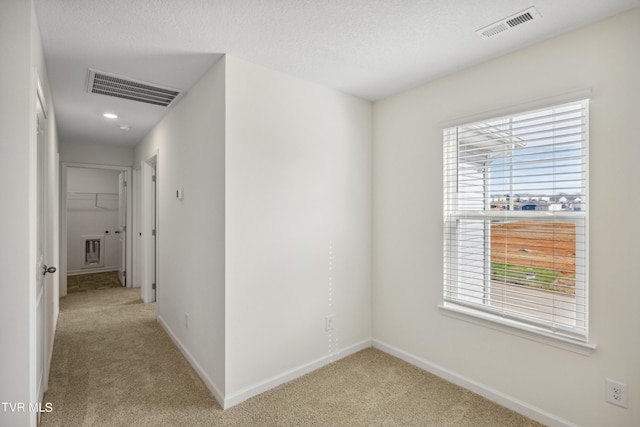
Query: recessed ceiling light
[(110, 115), (125, 128)]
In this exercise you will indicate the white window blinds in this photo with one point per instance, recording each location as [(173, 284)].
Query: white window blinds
[(515, 218)]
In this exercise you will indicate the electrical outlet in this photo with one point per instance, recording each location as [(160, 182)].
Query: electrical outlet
[(186, 320), (328, 323), (616, 393)]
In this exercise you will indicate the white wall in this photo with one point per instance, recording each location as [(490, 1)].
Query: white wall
[(21, 51), (274, 170), (99, 154), (84, 218), (90, 180), (189, 142), (15, 259), (407, 254), (298, 229), (92, 223)]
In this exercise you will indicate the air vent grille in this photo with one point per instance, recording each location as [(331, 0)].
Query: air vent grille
[(520, 19), (509, 22), (134, 90)]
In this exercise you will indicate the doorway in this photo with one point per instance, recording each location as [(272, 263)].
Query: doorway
[(95, 212)]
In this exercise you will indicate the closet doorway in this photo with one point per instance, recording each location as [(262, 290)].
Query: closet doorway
[(95, 212)]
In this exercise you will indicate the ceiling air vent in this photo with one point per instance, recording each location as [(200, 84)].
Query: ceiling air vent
[(509, 22), (134, 90)]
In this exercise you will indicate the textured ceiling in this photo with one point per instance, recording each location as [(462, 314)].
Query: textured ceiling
[(368, 48)]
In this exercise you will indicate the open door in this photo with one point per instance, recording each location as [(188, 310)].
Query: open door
[(122, 227)]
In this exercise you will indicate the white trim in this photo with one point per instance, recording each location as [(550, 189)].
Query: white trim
[(516, 328), (255, 389), (572, 96), (493, 395), (149, 192), (467, 289), (211, 385), (136, 189), (520, 215), (40, 94), (33, 229)]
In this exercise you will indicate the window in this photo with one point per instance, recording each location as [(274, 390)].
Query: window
[(515, 220)]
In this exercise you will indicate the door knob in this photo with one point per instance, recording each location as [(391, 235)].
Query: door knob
[(48, 270)]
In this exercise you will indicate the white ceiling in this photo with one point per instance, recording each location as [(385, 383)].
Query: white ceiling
[(368, 48)]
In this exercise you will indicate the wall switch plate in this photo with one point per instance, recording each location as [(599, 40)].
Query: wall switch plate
[(617, 393)]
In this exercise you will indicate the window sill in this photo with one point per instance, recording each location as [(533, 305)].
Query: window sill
[(517, 329)]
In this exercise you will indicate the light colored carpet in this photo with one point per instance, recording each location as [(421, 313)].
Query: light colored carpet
[(113, 365), (84, 282)]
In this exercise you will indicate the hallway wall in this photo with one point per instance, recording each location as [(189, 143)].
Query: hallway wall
[(21, 50), (189, 142), (16, 260), (273, 233), (298, 227)]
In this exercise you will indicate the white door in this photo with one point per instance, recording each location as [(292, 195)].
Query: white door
[(122, 227), (40, 267)]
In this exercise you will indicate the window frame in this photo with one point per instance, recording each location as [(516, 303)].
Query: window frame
[(478, 313)]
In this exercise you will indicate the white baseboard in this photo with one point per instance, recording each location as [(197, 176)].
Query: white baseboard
[(496, 396), (256, 389), (92, 270), (240, 396), (211, 385), (227, 402)]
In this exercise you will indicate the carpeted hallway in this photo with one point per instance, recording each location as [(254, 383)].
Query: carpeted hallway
[(113, 365)]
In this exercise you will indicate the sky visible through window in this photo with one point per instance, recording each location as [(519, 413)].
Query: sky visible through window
[(544, 159)]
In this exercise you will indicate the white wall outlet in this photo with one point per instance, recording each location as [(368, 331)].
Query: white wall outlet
[(616, 393), (186, 320), (328, 323)]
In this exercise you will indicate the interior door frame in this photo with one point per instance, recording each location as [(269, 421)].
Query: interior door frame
[(124, 233), (63, 219), (136, 230), (149, 214)]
